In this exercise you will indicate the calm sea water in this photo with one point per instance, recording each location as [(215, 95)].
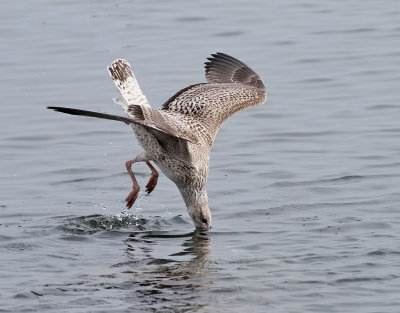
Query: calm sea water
[(304, 190)]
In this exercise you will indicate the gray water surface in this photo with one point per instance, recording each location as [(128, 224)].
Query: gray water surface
[(304, 190)]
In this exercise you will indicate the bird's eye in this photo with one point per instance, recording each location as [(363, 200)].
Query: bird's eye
[(204, 220)]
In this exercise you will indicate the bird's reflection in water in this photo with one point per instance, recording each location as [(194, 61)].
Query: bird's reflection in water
[(174, 283)]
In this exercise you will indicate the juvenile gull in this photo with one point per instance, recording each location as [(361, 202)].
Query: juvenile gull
[(179, 136)]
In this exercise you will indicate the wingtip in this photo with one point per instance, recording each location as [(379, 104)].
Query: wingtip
[(218, 53), (215, 56), (223, 68), (120, 70), (211, 59), (119, 62), (58, 109)]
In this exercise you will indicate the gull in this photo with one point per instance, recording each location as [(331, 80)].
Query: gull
[(179, 136)]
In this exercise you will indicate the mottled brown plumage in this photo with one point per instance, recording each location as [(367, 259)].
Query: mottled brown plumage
[(179, 136)]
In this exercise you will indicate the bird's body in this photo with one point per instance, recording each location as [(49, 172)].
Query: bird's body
[(179, 136)]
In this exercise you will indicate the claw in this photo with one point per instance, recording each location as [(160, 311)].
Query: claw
[(152, 183), (153, 179), (131, 198)]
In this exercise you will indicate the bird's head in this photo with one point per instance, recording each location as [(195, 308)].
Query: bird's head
[(201, 216)]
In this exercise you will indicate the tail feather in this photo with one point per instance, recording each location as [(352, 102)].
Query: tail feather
[(123, 77), (71, 111)]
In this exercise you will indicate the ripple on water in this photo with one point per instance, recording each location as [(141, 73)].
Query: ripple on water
[(20, 246), (87, 225), (341, 180), (123, 222), (144, 279)]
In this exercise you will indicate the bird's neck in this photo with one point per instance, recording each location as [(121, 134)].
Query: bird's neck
[(194, 197)]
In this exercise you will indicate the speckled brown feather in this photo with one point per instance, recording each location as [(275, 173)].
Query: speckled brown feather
[(232, 87), (166, 122), (127, 85)]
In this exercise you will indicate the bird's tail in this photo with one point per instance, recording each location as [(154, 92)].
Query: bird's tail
[(71, 111), (123, 77)]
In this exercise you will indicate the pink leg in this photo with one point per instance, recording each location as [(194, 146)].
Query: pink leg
[(153, 179), (130, 200)]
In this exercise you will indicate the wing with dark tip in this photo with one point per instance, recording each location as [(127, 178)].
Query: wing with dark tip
[(123, 77), (232, 87), (222, 68), (151, 118)]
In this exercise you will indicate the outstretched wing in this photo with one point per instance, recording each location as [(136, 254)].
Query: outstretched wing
[(127, 85), (157, 120), (232, 87)]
